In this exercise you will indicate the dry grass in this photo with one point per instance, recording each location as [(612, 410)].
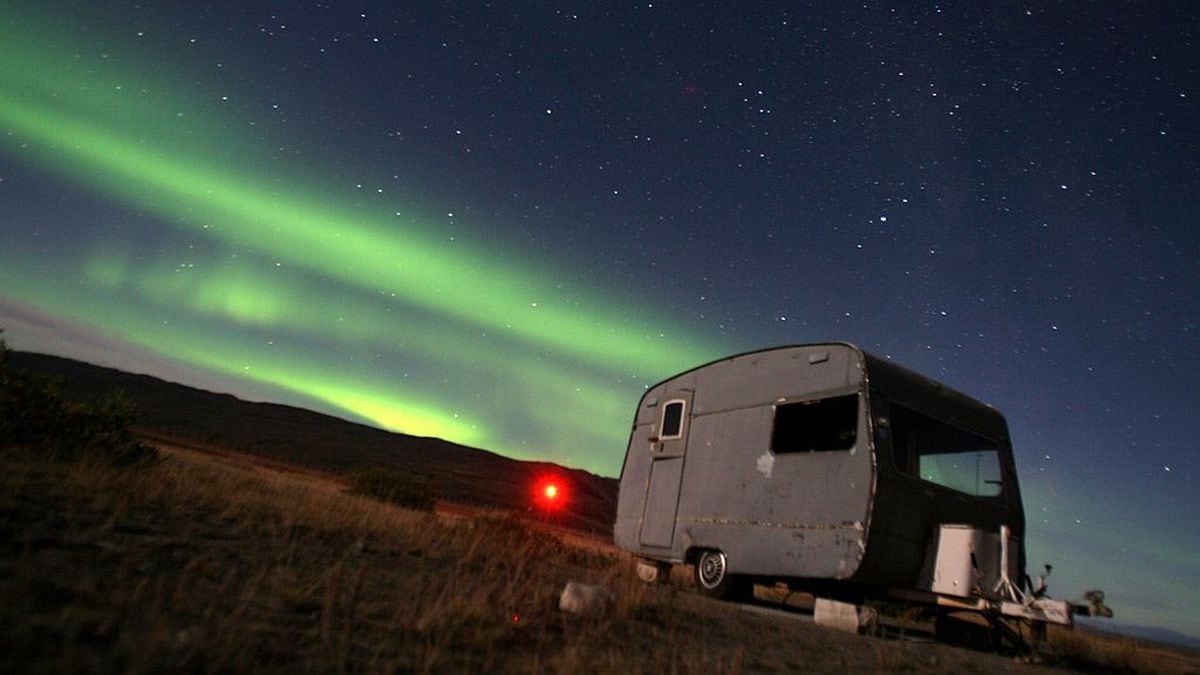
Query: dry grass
[(1100, 652), (212, 563)]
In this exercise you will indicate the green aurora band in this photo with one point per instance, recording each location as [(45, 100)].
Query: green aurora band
[(299, 288)]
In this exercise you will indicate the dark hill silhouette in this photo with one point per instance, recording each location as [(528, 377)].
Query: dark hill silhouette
[(307, 439)]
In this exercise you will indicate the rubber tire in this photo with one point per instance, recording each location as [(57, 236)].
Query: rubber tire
[(714, 580)]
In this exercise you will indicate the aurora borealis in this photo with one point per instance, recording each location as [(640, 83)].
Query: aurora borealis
[(269, 258), (498, 224)]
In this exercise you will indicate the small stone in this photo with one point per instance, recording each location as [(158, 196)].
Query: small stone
[(580, 598)]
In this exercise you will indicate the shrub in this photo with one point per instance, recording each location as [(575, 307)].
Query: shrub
[(36, 416), (392, 486)]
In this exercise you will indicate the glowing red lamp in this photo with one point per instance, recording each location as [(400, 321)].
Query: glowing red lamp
[(550, 493)]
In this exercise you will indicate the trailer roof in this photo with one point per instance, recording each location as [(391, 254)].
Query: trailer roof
[(922, 393), (906, 387)]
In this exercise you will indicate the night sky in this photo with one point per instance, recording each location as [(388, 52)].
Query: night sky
[(499, 224)]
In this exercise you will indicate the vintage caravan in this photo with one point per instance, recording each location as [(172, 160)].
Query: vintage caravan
[(828, 469)]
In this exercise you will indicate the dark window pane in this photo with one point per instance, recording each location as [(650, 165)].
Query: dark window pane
[(672, 423), (940, 453), (827, 424)]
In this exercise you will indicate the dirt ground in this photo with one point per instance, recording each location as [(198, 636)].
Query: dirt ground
[(216, 562)]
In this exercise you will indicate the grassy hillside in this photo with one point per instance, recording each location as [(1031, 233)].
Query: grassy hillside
[(299, 437), (203, 562), (207, 563), (194, 557)]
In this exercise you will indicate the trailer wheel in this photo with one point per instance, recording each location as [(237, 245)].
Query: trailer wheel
[(714, 580)]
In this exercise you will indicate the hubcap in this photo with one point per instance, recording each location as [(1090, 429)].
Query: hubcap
[(712, 569)]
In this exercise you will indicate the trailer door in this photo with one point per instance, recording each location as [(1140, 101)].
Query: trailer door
[(667, 448)]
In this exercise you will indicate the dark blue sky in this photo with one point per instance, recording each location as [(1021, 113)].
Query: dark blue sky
[(1002, 196)]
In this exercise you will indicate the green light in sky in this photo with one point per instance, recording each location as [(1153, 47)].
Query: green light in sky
[(294, 286), (246, 212), (319, 382), (248, 292), (203, 343)]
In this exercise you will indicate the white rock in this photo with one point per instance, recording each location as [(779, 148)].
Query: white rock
[(580, 598), (843, 616)]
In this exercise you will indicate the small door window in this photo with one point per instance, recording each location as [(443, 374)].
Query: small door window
[(672, 420)]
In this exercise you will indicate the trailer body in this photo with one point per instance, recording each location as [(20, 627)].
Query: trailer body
[(821, 464)]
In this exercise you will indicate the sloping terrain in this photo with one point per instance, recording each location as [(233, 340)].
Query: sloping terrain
[(169, 411), (206, 558), (205, 562)]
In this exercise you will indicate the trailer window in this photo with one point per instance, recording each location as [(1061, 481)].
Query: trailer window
[(672, 420), (944, 454), (810, 426)]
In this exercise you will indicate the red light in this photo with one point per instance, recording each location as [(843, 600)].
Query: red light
[(549, 493)]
